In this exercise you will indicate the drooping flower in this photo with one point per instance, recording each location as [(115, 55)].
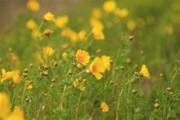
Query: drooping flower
[(47, 32), (4, 105), (82, 57), (145, 72), (61, 21), (109, 6), (99, 66), (33, 5), (104, 107), (49, 17)]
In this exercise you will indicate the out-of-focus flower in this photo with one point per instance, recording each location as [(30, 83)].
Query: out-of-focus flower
[(169, 29), (145, 72), (5, 75), (48, 51), (104, 107), (33, 5), (16, 76), (82, 35), (17, 114), (109, 6), (61, 21), (79, 84), (97, 13), (36, 34), (49, 17), (97, 29), (69, 33), (4, 105), (31, 24), (99, 66), (82, 57), (131, 24), (47, 32), (121, 13)]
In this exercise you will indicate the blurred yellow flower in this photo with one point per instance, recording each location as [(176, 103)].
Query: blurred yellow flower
[(131, 24), (99, 66), (145, 72), (33, 5), (5, 75), (69, 33), (104, 107), (82, 57), (48, 51), (97, 13), (169, 29), (16, 76), (17, 114), (49, 17), (79, 84), (121, 13), (82, 35), (31, 24), (109, 6), (47, 32), (61, 21), (4, 105)]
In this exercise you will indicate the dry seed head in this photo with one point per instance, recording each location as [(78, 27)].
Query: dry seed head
[(156, 105), (45, 73), (169, 89), (131, 38)]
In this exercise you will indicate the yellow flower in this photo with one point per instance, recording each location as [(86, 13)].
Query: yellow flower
[(97, 13), (69, 33), (4, 105), (61, 21), (48, 51), (121, 13), (16, 76), (145, 72), (99, 66), (82, 35), (97, 29), (33, 5), (47, 32), (17, 114), (109, 6), (82, 57), (131, 25), (79, 84), (31, 24), (49, 16), (5, 75), (104, 107)]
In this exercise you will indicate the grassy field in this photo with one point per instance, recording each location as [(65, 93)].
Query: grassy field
[(107, 60)]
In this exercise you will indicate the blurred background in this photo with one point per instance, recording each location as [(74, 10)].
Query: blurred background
[(10, 9)]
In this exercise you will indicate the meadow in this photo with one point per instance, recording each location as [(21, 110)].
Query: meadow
[(106, 60)]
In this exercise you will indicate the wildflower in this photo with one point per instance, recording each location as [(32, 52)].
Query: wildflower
[(109, 6), (48, 51), (131, 25), (69, 33), (65, 55), (82, 35), (33, 5), (97, 13), (36, 34), (49, 16), (16, 76), (82, 57), (4, 105), (121, 13), (5, 75), (79, 84), (64, 46), (17, 114), (97, 29), (99, 66), (61, 21), (31, 24), (145, 72), (47, 32), (104, 107)]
